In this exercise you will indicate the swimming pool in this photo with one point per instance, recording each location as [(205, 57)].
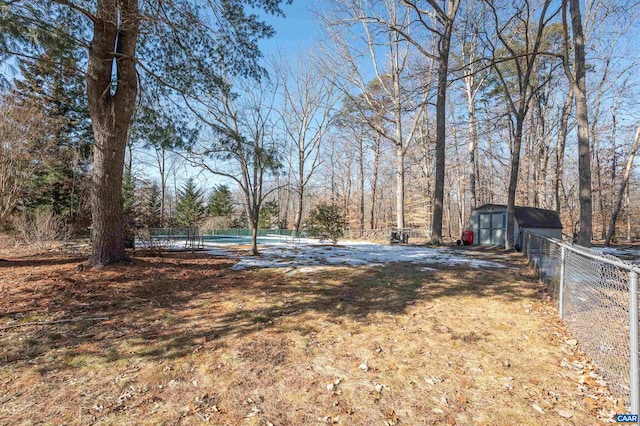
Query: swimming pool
[(194, 238), (245, 239)]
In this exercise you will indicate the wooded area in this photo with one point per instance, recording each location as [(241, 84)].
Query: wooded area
[(122, 115)]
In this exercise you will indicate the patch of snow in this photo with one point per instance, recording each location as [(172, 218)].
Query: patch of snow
[(627, 253), (614, 251), (301, 258), (221, 252), (305, 270)]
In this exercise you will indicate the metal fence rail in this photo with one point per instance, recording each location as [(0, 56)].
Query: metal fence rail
[(227, 232), (597, 297), (195, 238)]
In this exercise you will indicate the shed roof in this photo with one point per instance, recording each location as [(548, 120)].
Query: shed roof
[(531, 217)]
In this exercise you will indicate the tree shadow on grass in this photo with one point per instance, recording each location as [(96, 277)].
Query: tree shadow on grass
[(161, 308), (43, 260)]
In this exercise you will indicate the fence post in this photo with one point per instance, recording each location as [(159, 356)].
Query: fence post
[(633, 330), (563, 254), (540, 253)]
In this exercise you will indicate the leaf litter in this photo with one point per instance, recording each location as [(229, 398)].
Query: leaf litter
[(223, 346)]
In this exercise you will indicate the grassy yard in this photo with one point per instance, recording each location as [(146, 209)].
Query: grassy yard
[(183, 339)]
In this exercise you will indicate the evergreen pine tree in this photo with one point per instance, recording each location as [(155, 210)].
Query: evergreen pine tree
[(50, 82), (154, 214), (269, 215), (190, 206), (128, 193), (220, 201), (128, 208)]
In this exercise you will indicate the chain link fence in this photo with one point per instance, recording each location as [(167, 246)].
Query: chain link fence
[(597, 296), (195, 238), (383, 234)]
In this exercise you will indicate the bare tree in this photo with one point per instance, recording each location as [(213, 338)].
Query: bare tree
[(243, 145), (561, 145), (308, 100), (159, 130), (473, 79), (442, 28), (515, 48), (623, 187), (388, 92), (23, 131), (577, 80), (416, 24), (375, 148)]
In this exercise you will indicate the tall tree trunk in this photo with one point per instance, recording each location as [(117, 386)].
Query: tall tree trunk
[(161, 158), (541, 151), (300, 188), (562, 142), (252, 209), (361, 170), (526, 84), (400, 187), (287, 205), (253, 216), (614, 154), (441, 105), (545, 155), (460, 183), (332, 157), (462, 214), (287, 196), (481, 184), (513, 183), (448, 209), (473, 142), (490, 186), (584, 155), (599, 190), (298, 220), (530, 175), (374, 181), (595, 150), (115, 36), (623, 186), (628, 213), (399, 142), (347, 192)]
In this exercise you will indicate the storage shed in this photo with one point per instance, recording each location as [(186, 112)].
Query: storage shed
[(489, 223)]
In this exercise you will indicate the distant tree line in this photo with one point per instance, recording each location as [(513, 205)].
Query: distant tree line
[(407, 115)]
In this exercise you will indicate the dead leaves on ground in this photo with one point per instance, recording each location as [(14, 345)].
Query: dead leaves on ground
[(250, 366)]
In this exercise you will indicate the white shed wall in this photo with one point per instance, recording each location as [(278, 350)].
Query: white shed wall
[(551, 233), (474, 223)]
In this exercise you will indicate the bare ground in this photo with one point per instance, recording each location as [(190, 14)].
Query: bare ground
[(183, 339)]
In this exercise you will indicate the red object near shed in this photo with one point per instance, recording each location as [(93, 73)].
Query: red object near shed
[(467, 238)]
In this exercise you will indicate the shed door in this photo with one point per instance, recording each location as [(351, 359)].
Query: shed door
[(492, 228)]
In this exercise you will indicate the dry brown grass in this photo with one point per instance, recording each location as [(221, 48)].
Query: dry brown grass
[(189, 341)]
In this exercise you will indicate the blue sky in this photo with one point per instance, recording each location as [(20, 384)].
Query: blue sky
[(295, 30)]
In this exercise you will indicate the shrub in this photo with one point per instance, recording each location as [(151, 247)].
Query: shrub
[(326, 222), (216, 222), (40, 229), (147, 240)]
